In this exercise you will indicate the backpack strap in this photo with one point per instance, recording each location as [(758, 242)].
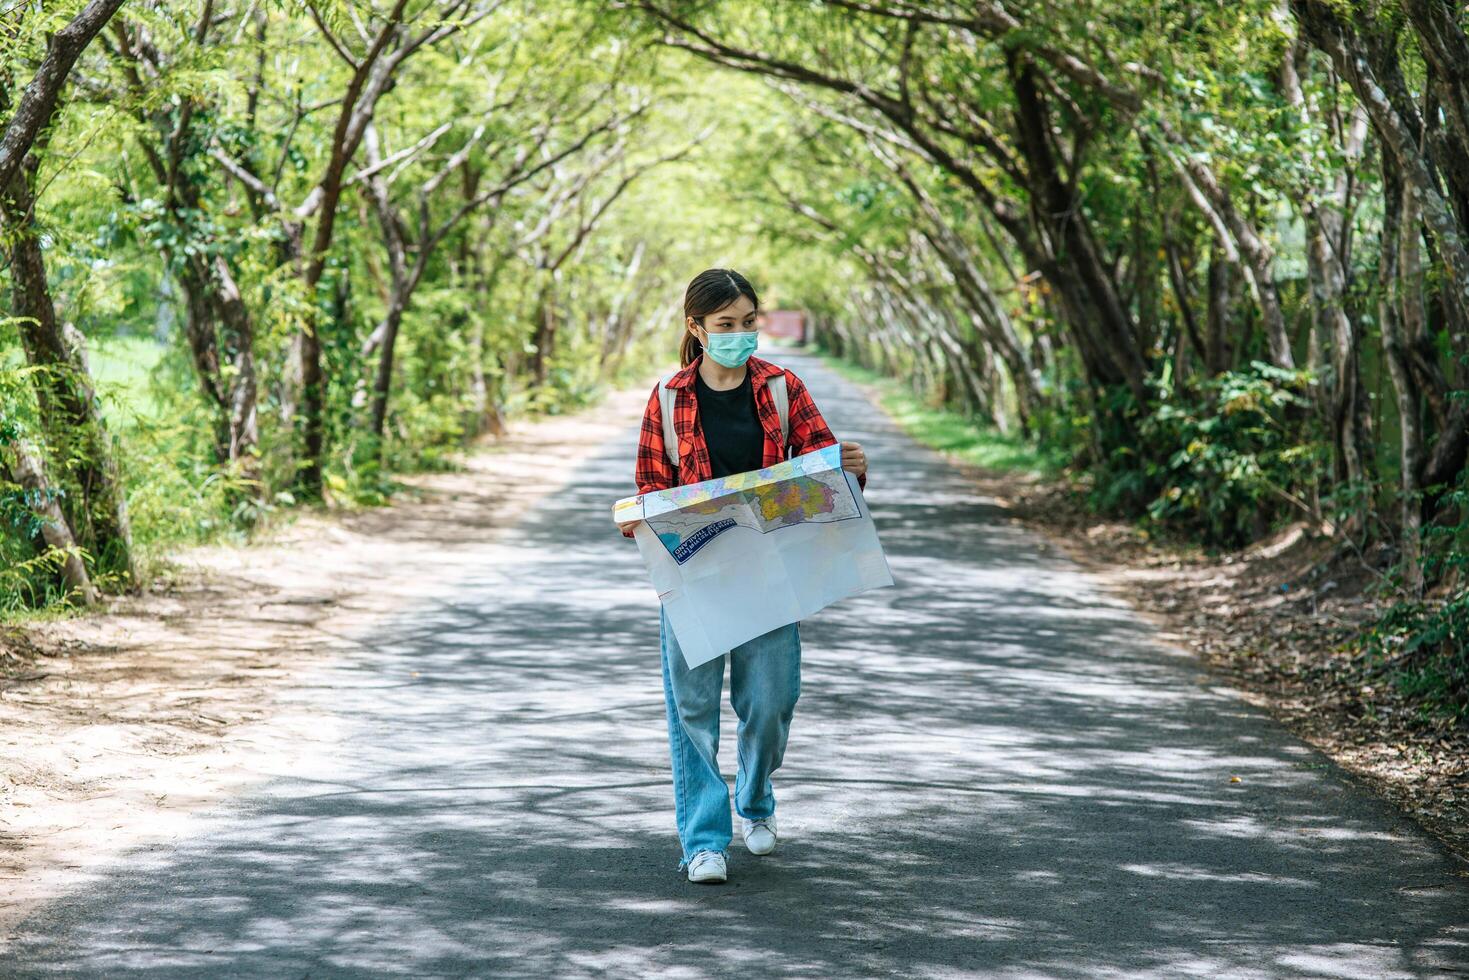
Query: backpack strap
[(777, 385), (666, 396)]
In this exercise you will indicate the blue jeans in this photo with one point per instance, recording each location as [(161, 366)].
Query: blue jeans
[(764, 683)]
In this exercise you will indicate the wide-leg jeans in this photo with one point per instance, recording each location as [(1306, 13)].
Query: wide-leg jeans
[(765, 683)]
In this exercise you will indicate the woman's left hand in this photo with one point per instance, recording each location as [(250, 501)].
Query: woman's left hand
[(853, 458)]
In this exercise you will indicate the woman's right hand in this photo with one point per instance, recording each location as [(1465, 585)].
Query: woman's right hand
[(627, 526)]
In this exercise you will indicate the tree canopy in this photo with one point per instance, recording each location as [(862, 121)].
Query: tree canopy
[(266, 253)]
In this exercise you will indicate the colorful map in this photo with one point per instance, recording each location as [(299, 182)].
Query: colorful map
[(762, 509), (819, 463), (734, 557)]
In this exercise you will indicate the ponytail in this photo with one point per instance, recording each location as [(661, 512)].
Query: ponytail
[(690, 349)]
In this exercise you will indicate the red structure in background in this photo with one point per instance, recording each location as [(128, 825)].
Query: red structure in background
[(790, 324)]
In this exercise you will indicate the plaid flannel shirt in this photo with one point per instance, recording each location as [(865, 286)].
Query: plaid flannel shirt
[(808, 429)]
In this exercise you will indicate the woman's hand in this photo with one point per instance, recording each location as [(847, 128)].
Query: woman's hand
[(626, 526), (853, 458)]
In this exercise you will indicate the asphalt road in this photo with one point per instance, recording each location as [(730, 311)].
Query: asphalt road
[(994, 770)]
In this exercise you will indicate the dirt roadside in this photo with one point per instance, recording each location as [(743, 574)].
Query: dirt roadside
[(117, 726)]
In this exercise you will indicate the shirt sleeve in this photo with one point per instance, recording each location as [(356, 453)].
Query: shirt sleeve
[(809, 430), (653, 470)]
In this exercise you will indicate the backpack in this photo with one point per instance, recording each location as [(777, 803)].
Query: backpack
[(776, 383)]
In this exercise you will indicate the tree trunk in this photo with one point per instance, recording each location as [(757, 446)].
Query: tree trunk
[(1220, 279), (1086, 284), (237, 333), (68, 401), (1397, 279), (383, 380), (312, 409), (217, 317), (28, 468), (545, 336)]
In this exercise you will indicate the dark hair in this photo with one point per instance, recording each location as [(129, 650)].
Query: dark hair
[(710, 291)]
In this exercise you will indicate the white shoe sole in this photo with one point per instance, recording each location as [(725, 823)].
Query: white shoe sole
[(710, 873), (708, 876)]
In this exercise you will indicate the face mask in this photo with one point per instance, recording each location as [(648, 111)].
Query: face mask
[(731, 349)]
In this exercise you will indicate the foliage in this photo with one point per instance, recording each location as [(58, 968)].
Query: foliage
[(1422, 645), (28, 566), (1222, 461)]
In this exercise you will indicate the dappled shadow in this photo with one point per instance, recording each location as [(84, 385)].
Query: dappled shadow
[(993, 768)]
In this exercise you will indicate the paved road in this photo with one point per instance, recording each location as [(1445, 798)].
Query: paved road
[(994, 770)]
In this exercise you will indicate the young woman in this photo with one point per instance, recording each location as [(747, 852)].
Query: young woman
[(727, 422)]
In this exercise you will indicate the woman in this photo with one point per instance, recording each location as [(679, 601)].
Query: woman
[(727, 422)]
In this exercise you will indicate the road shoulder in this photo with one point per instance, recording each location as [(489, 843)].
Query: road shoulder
[(118, 726), (1271, 622)]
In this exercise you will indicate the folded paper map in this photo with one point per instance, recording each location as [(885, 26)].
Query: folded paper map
[(737, 556)]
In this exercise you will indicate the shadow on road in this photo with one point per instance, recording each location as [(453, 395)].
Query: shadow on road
[(994, 770)]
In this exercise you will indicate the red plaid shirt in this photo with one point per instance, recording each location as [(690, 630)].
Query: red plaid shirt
[(808, 429)]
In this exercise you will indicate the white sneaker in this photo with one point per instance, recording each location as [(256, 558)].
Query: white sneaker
[(707, 866), (759, 834)]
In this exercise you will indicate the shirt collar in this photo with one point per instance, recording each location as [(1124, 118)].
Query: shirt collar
[(759, 369)]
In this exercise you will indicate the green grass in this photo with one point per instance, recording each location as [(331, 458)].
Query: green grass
[(949, 431), (120, 367)]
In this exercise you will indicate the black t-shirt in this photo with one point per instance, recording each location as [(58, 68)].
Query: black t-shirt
[(731, 428)]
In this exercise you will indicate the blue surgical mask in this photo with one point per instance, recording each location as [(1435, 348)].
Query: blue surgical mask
[(731, 349)]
